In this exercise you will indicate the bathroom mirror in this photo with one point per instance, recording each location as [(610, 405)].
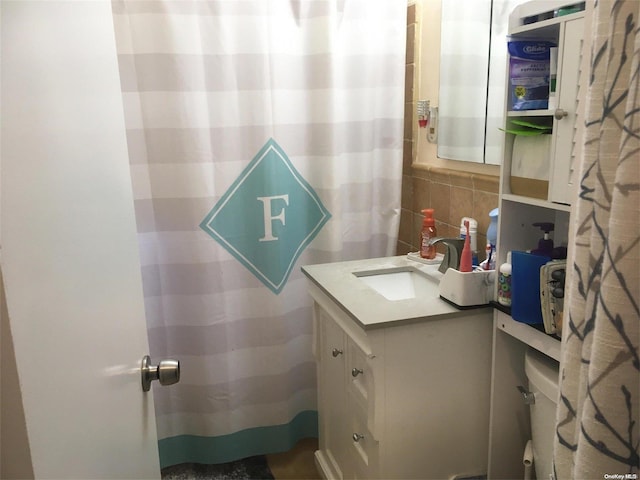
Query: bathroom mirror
[(473, 62)]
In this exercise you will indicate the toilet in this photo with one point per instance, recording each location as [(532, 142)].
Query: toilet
[(542, 373)]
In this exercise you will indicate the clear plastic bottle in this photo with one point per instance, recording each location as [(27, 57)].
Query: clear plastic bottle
[(427, 233), (486, 265)]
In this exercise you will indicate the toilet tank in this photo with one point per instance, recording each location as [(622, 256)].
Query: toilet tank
[(542, 372)]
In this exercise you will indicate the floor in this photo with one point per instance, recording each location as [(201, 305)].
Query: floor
[(296, 464)]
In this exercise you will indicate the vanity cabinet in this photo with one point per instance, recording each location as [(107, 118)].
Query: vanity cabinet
[(345, 378), (404, 399), (509, 428)]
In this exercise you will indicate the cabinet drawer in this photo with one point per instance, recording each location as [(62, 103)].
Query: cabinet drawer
[(360, 374), (363, 449), (362, 378)]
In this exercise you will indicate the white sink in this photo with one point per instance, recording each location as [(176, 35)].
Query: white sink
[(400, 283)]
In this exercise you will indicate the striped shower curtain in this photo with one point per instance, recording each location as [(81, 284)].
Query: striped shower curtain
[(263, 135)]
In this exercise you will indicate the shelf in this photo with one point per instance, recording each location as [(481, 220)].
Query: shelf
[(530, 113), (547, 344), (536, 202), (547, 27)]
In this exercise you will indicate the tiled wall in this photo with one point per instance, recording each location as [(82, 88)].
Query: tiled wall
[(452, 193)]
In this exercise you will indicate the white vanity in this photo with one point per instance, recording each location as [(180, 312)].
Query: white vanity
[(404, 383)]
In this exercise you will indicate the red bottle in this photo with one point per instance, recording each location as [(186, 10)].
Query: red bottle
[(427, 233)]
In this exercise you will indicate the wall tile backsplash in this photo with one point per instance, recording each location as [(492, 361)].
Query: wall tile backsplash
[(453, 195)]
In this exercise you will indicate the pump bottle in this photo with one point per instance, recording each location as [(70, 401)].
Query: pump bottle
[(545, 244), (427, 233)]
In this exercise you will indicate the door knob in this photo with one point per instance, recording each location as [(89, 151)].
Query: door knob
[(355, 372), (167, 372), (336, 351), (560, 114)]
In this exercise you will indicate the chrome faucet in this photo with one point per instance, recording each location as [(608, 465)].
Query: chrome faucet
[(452, 254)]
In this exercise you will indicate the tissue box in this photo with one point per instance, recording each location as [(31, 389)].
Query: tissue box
[(530, 166)]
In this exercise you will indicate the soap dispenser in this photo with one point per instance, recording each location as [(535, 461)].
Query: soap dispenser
[(427, 233), (545, 244)]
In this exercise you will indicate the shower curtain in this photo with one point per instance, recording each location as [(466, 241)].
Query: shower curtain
[(598, 418), (263, 135)]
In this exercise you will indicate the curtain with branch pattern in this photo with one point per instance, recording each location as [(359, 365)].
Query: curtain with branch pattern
[(598, 420)]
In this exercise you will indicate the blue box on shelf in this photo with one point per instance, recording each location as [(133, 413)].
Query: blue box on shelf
[(525, 287)]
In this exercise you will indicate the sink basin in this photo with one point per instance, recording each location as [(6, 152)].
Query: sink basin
[(400, 283)]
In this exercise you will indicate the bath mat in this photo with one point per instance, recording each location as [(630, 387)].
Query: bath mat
[(252, 468)]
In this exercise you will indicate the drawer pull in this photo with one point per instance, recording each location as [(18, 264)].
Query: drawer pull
[(357, 437), (355, 372), (335, 352)]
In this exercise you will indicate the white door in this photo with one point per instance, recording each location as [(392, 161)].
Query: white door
[(69, 256)]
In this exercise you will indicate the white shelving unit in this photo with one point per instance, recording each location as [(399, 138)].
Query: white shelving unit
[(528, 335), (509, 197), (509, 427)]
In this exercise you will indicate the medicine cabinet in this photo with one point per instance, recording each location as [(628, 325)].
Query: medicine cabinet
[(472, 75)]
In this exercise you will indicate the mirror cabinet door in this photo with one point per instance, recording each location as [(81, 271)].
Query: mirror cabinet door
[(473, 73)]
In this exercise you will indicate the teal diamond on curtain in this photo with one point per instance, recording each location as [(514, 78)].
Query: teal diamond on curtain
[(267, 217)]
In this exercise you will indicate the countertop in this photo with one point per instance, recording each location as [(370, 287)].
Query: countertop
[(370, 309)]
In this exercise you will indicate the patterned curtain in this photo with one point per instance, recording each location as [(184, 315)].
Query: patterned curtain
[(598, 417)]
